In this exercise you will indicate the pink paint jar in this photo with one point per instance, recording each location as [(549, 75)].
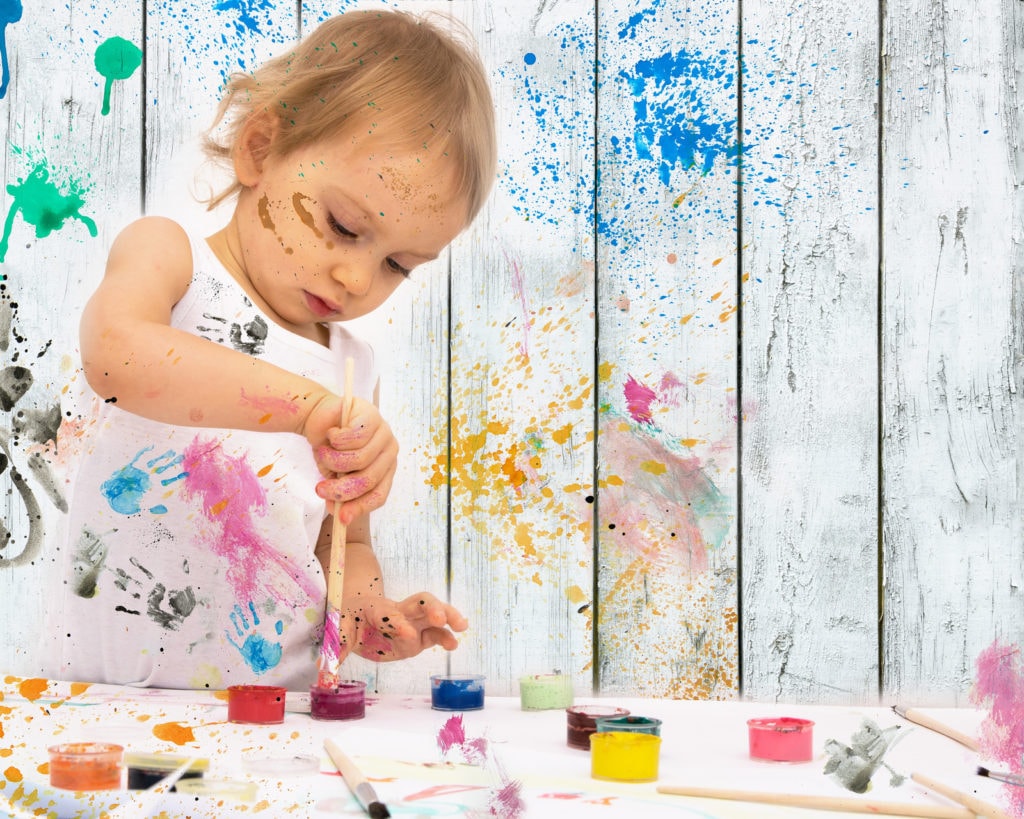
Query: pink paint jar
[(346, 701), (256, 704), (781, 739)]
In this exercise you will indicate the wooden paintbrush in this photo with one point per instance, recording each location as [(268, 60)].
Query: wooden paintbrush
[(969, 801), (849, 804), (330, 648), (1002, 776), (918, 718)]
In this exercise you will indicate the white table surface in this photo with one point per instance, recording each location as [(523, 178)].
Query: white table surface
[(396, 746)]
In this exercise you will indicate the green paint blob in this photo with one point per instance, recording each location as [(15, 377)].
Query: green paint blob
[(116, 59), (43, 206)]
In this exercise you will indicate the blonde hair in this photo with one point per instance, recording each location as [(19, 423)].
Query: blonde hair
[(389, 71)]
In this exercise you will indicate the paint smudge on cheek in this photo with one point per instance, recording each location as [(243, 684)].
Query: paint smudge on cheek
[(10, 12), (306, 217), (263, 208), (999, 687)]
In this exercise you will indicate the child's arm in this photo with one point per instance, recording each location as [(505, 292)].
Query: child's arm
[(374, 626), (132, 356)]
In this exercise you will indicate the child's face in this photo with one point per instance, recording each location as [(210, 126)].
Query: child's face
[(328, 232)]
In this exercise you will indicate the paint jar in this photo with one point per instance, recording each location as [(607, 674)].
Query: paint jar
[(457, 692), (86, 766), (146, 770), (624, 757), (347, 700), (540, 692), (256, 704), (781, 739), (629, 725), (235, 789), (580, 722)]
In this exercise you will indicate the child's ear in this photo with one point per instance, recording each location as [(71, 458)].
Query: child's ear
[(253, 148)]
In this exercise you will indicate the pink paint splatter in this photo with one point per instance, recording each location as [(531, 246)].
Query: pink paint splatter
[(507, 801), (271, 406), (1000, 687), (520, 287), (231, 494), (639, 398), (452, 734)]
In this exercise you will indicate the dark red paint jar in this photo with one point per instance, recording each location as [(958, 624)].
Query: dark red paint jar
[(581, 722), (346, 701)]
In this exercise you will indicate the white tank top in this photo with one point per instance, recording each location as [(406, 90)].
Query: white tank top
[(190, 555)]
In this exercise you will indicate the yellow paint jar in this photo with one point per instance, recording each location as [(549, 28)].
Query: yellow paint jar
[(624, 757)]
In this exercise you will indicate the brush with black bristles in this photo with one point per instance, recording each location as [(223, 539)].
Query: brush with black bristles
[(1002, 776)]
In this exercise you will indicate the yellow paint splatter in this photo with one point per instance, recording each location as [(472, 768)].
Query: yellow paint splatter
[(561, 436), (79, 688), (575, 594), (604, 370), (32, 689), (174, 732), (686, 319), (654, 467)]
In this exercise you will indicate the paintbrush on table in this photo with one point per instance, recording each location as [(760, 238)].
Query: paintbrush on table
[(361, 789), (1002, 776), (848, 804), (969, 801), (916, 716), (330, 648)]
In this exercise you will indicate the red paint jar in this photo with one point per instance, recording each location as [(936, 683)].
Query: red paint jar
[(581, 722), (256, 704), (86, 766), (781, 739), (346, 701)]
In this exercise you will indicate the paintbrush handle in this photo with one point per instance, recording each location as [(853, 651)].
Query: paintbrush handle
[(838, 803), (969, 801), (925, 721)]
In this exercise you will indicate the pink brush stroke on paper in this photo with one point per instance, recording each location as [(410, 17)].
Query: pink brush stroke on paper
[(231, 494), (999, 686)]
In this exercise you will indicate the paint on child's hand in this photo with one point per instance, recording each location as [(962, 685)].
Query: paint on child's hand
[(116, 59)]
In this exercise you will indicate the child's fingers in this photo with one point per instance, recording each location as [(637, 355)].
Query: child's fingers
[(426, 607)]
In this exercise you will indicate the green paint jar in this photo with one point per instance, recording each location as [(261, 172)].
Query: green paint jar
[(542, 692)]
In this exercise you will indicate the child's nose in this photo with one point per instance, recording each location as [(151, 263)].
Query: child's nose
[(354, 275)]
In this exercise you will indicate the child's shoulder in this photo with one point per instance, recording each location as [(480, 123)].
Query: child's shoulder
[(153, 241)]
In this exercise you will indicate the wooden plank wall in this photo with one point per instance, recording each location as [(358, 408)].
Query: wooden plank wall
[(720, 394)]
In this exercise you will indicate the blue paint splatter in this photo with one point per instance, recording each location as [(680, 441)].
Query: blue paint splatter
[(529, 58), (126, 488), (260, 654), (246, 22), (10, 12)]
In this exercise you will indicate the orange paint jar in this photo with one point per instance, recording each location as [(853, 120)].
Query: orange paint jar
[(86, 766)]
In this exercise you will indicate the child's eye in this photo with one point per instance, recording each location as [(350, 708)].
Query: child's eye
[(339, 228), (398, 268)]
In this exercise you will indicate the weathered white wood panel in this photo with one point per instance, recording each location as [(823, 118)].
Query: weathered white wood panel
[(522, 358), (953, 352), (809, 370), (666, 231), (65, 165)]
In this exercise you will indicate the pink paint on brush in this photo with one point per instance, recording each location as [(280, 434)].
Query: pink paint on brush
[(231, 496), (639, 398), (999, 686)]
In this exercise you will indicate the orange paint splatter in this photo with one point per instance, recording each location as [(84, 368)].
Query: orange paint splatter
[(79, 688), (686, 319), (672, 258), (174, 732), (12, 774), (265, 471), (218, 507), (32, 689)]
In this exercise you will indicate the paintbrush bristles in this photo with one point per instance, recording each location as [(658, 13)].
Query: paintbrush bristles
[(1002, 776)]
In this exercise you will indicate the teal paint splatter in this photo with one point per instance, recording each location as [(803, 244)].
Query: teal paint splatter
[(116, 59), (43, 206), (10, 12)]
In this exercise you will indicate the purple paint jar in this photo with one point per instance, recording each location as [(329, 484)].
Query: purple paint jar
[(346, 701), (581, 722)]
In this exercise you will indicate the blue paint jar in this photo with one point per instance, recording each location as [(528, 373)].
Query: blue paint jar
[(457, 692)]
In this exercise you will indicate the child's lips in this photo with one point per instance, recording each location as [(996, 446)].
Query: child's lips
[(320, 307)]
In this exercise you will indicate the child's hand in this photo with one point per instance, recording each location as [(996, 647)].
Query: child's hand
[(358, 462), (389, 630)]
